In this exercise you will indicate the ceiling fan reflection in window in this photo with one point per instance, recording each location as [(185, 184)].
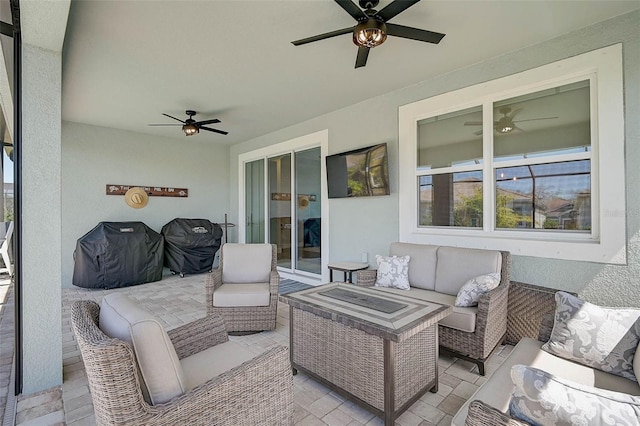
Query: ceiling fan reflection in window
[(506, 123)]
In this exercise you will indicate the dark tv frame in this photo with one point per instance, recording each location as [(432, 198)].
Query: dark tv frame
[(338, 178)]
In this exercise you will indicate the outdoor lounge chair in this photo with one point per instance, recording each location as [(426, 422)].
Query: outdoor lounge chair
[(214, 381), (244, 288)]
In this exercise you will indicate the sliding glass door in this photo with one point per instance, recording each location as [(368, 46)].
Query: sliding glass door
[(288, 194)]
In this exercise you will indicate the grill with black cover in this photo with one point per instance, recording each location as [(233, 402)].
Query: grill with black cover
[(190, 245), (118, 254)]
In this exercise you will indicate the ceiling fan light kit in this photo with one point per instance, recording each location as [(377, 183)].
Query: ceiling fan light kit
[(370, 33)]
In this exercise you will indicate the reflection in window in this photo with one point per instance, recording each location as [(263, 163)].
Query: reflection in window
[(441, 143), (451, 199), (544, 196)]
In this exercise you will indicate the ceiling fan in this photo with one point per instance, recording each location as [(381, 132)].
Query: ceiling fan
[(190, 126), (506, 123), (373, 28)]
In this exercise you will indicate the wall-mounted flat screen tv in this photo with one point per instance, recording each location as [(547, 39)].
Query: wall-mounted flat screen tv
[(359, 173)]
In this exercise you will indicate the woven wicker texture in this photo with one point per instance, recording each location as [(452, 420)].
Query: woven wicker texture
[(259, 391), (481, 414), (354, 361), (245, 318), (528, 305)]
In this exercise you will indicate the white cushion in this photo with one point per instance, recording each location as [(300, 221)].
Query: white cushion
[(636, 363), (393, 271), (211, 362), (470, 293), (422, 271), (248, 294), (246, 263), (497, 390), (122, 318), (600, 337), (457, 265), (545, 399), (463, 319)]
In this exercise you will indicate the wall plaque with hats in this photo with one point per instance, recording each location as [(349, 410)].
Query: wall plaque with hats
[(151, 191)]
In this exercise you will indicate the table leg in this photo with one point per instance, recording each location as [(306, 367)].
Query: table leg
[(330, 275), (348, 277), (389, 354)]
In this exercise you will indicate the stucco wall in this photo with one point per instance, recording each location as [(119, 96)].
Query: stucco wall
[(371, 224), (94, 156), (40, 220)]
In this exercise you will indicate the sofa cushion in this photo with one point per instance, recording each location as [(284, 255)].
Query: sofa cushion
[(211, 362), (542, 398), (246, 263), (603, 338), (422, 271), (636, 363), (469, 294), (393, 271), (247, 294), (496, 391), (122, 318), (463, 319), (457, 265)]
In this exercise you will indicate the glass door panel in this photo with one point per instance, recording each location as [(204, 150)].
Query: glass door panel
[(307, 181), (254, 201), (279, 182)]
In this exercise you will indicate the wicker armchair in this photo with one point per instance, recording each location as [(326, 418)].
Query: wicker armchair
[(259, 391), (243, 318), (491, 320)]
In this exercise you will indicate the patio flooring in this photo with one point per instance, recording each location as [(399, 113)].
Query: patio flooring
[(180, 300)]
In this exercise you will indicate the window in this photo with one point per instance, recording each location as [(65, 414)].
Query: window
[(521, 162)]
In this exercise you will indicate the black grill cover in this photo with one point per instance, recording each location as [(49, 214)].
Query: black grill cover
[(190, 245), (118, 254)]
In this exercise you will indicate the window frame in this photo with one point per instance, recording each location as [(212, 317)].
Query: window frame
[(606, 242)]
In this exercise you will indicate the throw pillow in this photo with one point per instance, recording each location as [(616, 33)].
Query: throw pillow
[(636, 363), (469, 294), (602, 338), (540, 398), (393, 271)]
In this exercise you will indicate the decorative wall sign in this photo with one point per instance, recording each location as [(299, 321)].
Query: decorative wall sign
[(152, 191)]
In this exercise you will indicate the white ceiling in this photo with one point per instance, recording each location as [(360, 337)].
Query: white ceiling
[(127, 62)]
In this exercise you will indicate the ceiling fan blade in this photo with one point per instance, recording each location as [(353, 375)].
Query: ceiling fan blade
[(167, 115), (353, 10), (514, 113), (222, 132), (473, 123), (322, 36), (394, 8), (213, 120), (534, 119), (414, 33), (361, 59), (164, 124), (518, 128)]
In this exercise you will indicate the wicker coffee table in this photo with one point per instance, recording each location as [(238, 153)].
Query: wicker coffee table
[(378, 349)]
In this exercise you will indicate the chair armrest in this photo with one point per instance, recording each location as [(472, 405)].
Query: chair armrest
[(492, 311), (481, 414), (260, 391), (212, 281), (198, 335), (366, 277), (274, 283)]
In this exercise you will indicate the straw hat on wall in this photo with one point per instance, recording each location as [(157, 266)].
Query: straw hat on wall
[(136, 197)]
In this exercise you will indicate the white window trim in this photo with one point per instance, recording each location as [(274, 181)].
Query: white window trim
[(313, 140), (607, 243)]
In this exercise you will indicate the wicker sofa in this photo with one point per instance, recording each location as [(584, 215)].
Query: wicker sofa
[(489, 405), (436, 274)]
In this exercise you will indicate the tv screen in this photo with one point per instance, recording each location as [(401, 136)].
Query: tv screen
[(359, 173)]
